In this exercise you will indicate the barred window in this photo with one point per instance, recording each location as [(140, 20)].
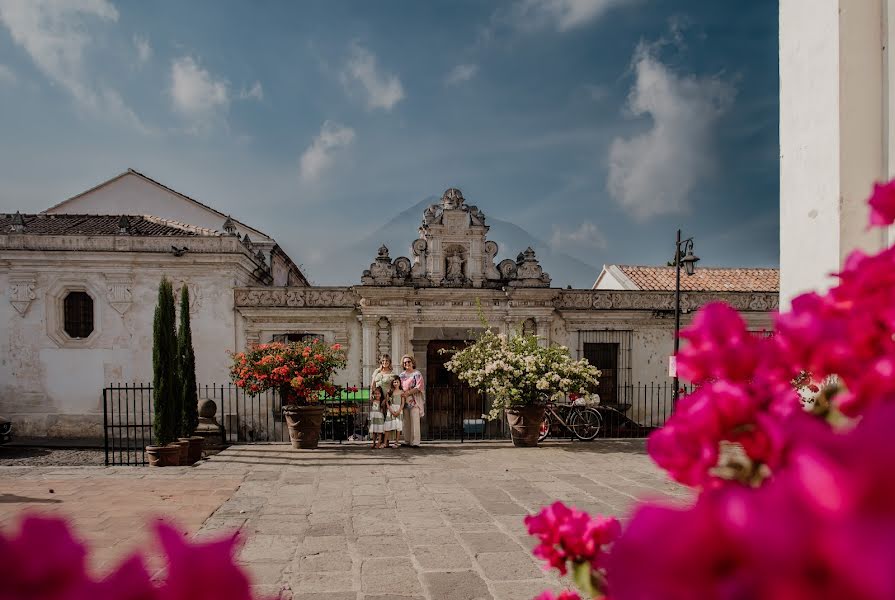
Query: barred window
[(287, 338), (78, 314)]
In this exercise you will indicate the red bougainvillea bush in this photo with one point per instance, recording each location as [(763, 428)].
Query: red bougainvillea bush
[(299, 371), (43, 561), (794, 502)]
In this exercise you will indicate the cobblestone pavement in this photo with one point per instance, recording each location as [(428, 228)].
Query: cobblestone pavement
[(441, 522), (28, 456)]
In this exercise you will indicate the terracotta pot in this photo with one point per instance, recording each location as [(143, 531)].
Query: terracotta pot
[(304, 425), (195, 453), (525, 424), (183, 444), (163, 456)]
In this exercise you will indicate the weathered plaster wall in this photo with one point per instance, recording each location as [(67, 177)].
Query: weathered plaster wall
[(835, 134), (51, 385)]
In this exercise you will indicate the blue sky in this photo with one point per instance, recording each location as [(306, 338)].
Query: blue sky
[(600, 126)]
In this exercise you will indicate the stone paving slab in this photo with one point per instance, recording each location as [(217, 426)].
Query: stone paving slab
[(442, 522), (346, 522), (112, 508)]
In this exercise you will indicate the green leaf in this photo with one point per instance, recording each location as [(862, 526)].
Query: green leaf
[(581, 577)]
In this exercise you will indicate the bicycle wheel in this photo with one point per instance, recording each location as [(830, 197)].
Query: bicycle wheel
[(586, 423), (545, 428)]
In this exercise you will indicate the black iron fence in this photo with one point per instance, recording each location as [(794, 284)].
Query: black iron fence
[(452, 413)]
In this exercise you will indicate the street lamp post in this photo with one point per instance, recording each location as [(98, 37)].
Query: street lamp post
[(683, 253)]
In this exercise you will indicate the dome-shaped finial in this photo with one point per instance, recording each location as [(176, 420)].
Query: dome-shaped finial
[(230, 226)]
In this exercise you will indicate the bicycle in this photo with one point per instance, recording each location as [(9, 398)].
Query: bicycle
[(583, 421)]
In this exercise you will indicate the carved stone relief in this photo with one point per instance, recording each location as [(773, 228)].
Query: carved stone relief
[(118, 292), (383, 336), (22, 292), (529, 327)]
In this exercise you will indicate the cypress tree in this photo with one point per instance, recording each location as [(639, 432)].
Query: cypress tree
[(164, 367), (186, 364)]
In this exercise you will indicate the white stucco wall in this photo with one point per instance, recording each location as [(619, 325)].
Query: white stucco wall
[(48, 389), (834, 134)]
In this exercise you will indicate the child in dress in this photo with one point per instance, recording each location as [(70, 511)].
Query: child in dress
[(377, 421), (393, 418)]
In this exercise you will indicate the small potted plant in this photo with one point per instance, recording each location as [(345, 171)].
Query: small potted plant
[(519, 375), (299, 372)]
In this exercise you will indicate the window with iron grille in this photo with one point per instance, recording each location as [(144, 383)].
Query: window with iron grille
[(78, 314), (610, 351), (604, 356), (287, 338)]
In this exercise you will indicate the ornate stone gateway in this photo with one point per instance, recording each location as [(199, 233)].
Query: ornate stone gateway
[(452, 251), (434, 299)]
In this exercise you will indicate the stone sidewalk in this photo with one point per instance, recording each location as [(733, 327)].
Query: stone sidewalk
[(112, 508), (442, 522)]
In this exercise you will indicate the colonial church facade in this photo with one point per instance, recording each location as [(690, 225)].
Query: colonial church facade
[(81, 280)]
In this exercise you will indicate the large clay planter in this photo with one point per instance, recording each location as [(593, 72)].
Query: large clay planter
[(304, 425), (183, 444), (195, 452), (525, 424), (163, 456)]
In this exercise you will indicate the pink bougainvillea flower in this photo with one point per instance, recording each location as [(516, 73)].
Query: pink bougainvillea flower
[(822, 528), (130, 581), (205, 570), (44, 562), (570, 535), (882, 204), (563, 595), (720, 347)]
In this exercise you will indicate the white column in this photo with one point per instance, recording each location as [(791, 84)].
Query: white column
[(368, 351), (833, 135), (543, 330), (400, 341)]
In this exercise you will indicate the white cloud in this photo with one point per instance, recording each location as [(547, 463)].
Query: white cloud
[(7, 76), (655, 172), (196, 93), (383, 90), (321, 153), (561, 15), (586, 236), (461, 73), (144, 49), (55, 35), (256, 92)]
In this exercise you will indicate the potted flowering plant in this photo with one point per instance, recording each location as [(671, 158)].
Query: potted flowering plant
[(299, 372), (519, 375)]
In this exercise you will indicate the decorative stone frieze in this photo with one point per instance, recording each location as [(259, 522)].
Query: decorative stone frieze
[(663, 301), (296, 297), (22, 292)]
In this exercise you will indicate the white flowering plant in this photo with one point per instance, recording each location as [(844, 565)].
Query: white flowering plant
[(516, 370)]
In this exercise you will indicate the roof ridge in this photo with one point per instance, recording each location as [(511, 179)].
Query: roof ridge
[(620, 266), (131, 171), (180, 225)]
